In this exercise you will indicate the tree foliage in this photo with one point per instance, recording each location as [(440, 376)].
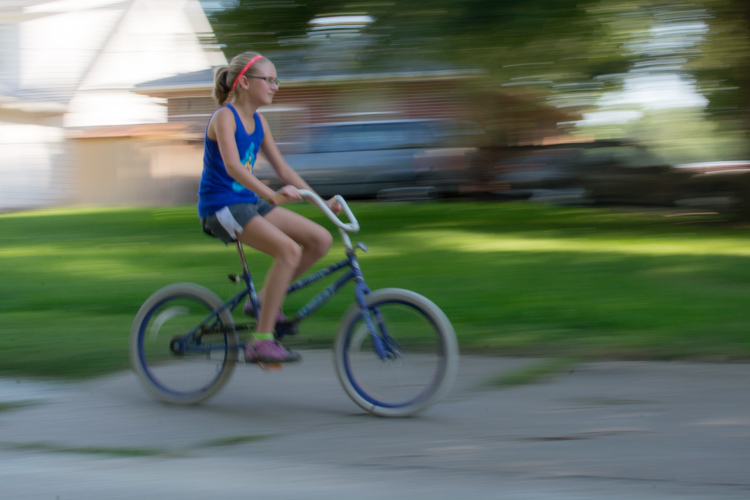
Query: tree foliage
[(565, 51), (723, 67), (503, 37)]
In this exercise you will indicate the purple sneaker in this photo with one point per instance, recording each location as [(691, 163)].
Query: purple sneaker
[(248, 309), (269, 351)]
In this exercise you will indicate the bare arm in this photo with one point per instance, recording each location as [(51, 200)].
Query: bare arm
[(222, 128)]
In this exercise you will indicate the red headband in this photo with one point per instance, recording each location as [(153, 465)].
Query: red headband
[(247, 67)]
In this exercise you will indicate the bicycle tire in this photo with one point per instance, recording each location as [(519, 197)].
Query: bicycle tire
[(422, 366), (172, 312)]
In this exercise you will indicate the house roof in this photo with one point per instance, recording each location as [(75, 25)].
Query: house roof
[(204, 79), (187, 81), (80, 57)]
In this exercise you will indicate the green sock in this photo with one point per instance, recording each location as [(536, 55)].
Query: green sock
[(263, 336)]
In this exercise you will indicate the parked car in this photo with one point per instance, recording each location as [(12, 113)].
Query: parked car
[(619, 172), (525, 170), (717, 184), (622, 172), (385, 158), (606, 172)]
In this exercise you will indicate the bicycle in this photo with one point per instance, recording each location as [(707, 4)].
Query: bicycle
[(395, 352)]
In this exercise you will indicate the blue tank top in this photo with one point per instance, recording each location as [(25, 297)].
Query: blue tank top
[(217, 188)]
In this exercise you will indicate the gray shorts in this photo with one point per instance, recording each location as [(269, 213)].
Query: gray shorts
[(232, 219)]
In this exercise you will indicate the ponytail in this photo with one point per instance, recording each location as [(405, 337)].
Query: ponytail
[(221, 88)]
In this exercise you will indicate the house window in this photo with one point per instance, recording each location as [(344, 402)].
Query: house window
[(190, 109), (9, 52)]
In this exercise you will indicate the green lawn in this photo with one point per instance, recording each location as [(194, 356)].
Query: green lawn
[(515, 278)]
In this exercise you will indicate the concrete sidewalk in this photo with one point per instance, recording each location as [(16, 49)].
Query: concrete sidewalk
[(611, 430)]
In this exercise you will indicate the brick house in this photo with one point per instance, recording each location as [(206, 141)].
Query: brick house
[(114, 114), (307, 96)]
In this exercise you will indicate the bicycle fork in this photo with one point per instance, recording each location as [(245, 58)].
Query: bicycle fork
[(385, 346)]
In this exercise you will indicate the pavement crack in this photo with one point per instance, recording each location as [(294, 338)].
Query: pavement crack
[(585, 435)]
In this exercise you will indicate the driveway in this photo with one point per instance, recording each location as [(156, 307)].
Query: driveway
[(609, 430)]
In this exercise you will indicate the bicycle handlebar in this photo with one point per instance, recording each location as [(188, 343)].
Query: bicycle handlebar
[(351, 227)]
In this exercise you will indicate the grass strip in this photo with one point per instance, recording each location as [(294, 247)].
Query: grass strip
[(15, 405), (89, 450), (535, 373), (131, 452), (233, 440)]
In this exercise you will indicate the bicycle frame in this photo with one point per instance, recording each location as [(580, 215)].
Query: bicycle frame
[(354, 274), (384, 344)]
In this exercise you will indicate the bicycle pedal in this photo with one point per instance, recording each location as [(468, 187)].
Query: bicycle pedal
[(285, 329), (271, 367)]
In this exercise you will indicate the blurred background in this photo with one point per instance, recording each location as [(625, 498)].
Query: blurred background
[(647, 103)]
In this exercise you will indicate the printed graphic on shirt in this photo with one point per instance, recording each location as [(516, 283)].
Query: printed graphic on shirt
[(247, 159)]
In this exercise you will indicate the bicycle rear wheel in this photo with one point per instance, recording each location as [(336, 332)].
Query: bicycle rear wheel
[(422, 354), (191, 370)]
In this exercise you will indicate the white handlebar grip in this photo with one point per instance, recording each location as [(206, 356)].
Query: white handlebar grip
[(351, 227)]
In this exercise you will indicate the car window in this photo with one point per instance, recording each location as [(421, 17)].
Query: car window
[(370, 136), (456, 129)]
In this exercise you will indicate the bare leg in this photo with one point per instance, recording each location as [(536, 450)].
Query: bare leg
[(264, 236), (314, 239)]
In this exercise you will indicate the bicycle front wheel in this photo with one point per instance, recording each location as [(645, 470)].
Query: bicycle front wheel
[(174, 365), (420, 347)]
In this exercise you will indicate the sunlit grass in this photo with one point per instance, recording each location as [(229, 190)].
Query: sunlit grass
[(67, 211), (513, 278), (462, 241)]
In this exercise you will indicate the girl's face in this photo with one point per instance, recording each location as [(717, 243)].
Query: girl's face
[(262, 84)]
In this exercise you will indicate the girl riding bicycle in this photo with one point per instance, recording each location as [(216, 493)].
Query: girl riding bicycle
[(234, 204)]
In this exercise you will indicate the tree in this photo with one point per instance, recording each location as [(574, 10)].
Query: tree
[(536, 44), (565, 52), (723, 70)]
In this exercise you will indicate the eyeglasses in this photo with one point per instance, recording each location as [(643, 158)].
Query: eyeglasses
[(269, 79)]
